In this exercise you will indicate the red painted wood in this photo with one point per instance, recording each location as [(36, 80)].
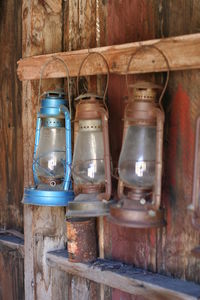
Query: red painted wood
[(127, 21)]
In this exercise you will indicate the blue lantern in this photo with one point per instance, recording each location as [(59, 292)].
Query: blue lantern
[(52, 154)]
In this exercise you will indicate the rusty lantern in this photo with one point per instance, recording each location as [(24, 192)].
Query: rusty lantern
[(195, 206), (91, 169), (140, 162)]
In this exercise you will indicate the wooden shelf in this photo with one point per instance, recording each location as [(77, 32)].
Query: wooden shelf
[(183, 53), (13, 242), (126, 278)]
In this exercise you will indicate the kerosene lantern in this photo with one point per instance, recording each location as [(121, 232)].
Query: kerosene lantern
[(91, 169), (140, 161), (195, 206), (52, 154)]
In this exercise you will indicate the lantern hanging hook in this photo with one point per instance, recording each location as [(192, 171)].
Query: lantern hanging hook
[(53, 58), (108, 73), (141, 48)]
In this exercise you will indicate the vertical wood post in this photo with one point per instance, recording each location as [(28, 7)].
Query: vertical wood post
[(44, 227), (83, 28)]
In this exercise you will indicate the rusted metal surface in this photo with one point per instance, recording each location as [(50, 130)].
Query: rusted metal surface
[(93, 109), (81, 240), (141, 110)]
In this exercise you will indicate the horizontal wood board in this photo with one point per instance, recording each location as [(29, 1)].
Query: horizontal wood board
[(126, 278), (12, 242), (182, 52)]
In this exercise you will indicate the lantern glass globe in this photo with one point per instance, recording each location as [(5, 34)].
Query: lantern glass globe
[(137, 158)]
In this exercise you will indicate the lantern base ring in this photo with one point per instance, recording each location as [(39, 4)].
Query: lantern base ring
[(35, 196), (88, 205), (136, 218)]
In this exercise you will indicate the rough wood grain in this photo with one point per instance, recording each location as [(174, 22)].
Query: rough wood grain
[(182, 107), (79, 33), (128, 21), (11, 147), (44, 228), (11, 274), (182, 52), (126, 278), (12, 242)]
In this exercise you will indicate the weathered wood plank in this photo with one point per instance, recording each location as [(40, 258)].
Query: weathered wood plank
[(182, 52), (12, 242), (79, 33), (11, 274), (126, 278), (181, 106), (125, 24), (11, 147), (44, 227)]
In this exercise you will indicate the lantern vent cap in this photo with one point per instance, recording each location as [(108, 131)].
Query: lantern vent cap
[(51, 102), (88, 96), (54, 94), (145, 91)]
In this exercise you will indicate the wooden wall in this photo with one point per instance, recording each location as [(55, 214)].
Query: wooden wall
[(167, 250), (11, 147), (50, 26)]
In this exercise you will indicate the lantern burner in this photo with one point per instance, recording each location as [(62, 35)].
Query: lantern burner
[(88, 205), (136, 216)]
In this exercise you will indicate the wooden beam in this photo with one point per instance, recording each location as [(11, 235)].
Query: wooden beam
[(126, 278), (44, 227), (182, 52)]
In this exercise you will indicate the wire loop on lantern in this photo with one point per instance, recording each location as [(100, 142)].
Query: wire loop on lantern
[(195, 192), (52, 59), (144, 47), (108, 76)]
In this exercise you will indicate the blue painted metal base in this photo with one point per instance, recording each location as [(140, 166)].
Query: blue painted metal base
[(35, 196)]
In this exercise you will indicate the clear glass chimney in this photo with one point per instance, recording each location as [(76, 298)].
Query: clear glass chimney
[(51, 155), (88, 160), (137, 158)]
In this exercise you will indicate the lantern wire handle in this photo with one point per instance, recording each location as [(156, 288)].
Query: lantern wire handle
[(141, 48), (53, 58), (195, 191), (108, 73)]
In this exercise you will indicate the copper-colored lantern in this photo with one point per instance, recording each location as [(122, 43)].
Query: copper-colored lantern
[(195, 206), (140, 161), (91, 160)]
